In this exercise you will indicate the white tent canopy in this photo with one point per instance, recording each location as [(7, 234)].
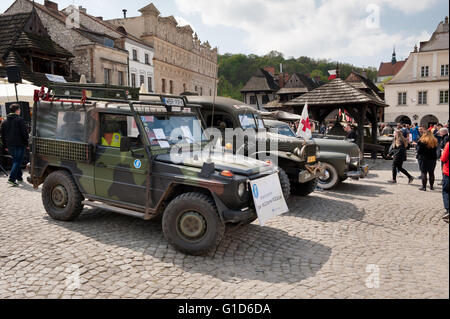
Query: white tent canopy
[(25, 92)]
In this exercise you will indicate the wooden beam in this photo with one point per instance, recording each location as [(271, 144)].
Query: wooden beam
[(361, 119), (374, 122)]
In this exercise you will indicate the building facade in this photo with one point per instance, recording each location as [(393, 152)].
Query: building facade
[(141, 65), (419, 91), (181, 62)]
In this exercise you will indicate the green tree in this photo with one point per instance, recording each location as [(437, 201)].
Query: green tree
[(236, 69)]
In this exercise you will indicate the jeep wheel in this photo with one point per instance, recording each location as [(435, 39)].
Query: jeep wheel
[(285, 184), (304, 189), (330, 178), (61, 198), (191, 223)]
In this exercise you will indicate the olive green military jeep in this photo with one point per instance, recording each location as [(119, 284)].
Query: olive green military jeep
[(297, 159), (123, 156), (342, 159)]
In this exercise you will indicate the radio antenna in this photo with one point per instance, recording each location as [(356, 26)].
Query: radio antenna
[(216, 75)]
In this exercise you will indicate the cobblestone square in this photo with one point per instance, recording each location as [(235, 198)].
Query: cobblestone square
[(366, 239)]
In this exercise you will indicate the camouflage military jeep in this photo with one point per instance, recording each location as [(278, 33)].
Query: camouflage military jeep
[(116, 155), (296, 158)]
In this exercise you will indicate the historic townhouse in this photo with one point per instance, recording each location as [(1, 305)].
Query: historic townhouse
[(419, 91), (181, 62)]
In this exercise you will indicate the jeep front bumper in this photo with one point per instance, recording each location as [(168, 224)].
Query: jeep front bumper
[(361, 172), (311, 172), (236, 216)]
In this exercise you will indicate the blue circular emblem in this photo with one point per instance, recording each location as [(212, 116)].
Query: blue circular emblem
[(255, 191), (137, 164)]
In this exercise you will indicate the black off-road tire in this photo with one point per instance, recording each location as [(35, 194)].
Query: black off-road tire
[(333, 179), (285, 184), (64, 181), (203, 206), (304, 189)]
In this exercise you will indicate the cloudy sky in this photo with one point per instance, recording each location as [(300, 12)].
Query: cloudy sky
[(356, 31)]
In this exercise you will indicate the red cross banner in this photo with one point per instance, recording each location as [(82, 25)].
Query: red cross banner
[(304, 127)]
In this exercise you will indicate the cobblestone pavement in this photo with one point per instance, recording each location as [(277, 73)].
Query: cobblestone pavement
[(367, 239)]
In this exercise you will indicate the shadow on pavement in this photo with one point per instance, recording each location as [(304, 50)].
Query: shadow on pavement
[(22, 186), (324, 209), (251, 252)]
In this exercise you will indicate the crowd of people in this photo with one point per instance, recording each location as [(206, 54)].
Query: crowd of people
[(431, 145)]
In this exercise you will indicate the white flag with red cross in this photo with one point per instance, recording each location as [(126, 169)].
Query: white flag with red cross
[(304, 127), (333, 74)]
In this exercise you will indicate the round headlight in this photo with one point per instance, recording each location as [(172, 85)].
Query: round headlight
[(298, 152), (241, 189), (347, 159)]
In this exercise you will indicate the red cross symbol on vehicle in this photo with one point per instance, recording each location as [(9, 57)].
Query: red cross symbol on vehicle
[(306, 125)]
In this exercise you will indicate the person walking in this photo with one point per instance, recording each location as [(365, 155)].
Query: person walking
[(388, 130), (427, 156), (415, 133), (398, 152), (445, 180), (15, 138)]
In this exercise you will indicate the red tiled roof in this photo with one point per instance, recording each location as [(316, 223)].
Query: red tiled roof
[(388, 69)]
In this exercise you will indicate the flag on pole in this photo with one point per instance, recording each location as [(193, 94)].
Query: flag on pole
[(304, 127), (333, 74)]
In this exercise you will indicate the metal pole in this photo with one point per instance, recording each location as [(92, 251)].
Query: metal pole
[(15, 87)]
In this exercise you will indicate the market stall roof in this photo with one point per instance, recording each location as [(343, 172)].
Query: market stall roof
[(273, 105), (282, 116), (336, 93), (286, 90)]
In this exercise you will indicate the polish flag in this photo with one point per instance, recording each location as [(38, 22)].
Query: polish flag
[(304, 127), (333, 74)]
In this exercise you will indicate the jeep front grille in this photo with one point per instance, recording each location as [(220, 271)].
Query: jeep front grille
[(66, 150), (310, 150)]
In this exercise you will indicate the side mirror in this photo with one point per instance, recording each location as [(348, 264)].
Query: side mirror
[(125, 144)]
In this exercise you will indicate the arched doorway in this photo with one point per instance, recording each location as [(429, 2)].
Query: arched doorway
[(429, 120), (403, 119)]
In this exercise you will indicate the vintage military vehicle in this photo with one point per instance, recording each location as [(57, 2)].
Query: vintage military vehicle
[(381, 147), (341, 159), (296, 158), (119, 156)]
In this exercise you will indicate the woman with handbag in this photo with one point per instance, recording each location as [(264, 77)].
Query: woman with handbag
[(398, 152), (427, 156)]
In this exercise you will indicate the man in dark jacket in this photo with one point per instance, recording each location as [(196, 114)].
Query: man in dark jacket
[(351, 133), (15, 138)]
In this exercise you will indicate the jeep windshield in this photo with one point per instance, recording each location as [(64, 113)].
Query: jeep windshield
[(251, 121), (282, 130), (165, 131)]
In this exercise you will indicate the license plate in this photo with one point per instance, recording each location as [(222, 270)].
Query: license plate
[(311, 159)]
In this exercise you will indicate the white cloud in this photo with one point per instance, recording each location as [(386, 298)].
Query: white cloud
[(334, 29), (182, 22)]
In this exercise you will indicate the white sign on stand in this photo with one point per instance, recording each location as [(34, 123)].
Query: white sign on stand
[(268, 198)]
